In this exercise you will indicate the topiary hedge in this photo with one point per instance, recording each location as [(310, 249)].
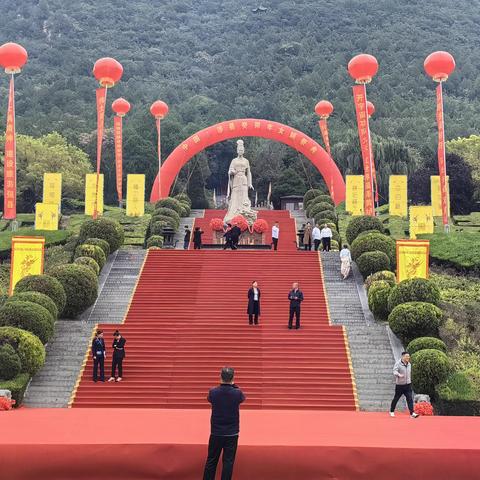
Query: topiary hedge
[(30, 317), (80, 284), (371, 262), (36, 297), (310, 195), (172, 222), (386, 275), (429, 368), (10, 364), (414, 290), (423, 343), (155, 241), (330, 215), (415, 319), (90, 263), (105, 229), (378, 299), (91, 251), (315, 208), (45, 284), (167, 212), (372, 242), (99, 242), (183, 198), (169, 202), (156, 228), (17, 387), (360, 224)]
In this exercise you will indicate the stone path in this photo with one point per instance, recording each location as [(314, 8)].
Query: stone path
[(186, 221)]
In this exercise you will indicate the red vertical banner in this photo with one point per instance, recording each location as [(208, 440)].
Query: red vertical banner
[(10, 160), (324, 130), (101, 94), (117, 129), (159, 158), (442, 167), (360, 100)]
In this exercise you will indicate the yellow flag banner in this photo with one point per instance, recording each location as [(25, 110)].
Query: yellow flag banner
[(354, 194), (135, 195), (436, 194), (90, 191), (52, 188), (412, 259), (27, 258), (46, 216), (421, 220), (398, 197)]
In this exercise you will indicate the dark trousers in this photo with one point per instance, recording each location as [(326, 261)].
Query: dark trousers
[(294, 310), (326, 243), (308, 245), (316, 244), (275, 243), (403, 390), (117, 363), (251, 317), (186, 243), (197, 246), (99, 362), (215, 446)]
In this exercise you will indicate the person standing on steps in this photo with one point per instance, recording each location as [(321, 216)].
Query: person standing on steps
[(296, 298), (403, 384), (275, 235), (317, 238), (99, 354), (346, 259), (118, 347), (253, 309), (197, 238), (228, 237), (235, 233), (225, 425), (186, 238), (307, 237), (326, 235)]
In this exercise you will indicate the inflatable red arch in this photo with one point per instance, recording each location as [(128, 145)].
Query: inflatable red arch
[(250, 127)]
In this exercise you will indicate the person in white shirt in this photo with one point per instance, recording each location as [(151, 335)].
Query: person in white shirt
[(346, 259), (275, 235), (317, 238), (326, 235)]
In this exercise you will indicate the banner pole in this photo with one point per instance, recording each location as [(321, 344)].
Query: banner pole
[(159, 160), (442, 167), (99, 159)]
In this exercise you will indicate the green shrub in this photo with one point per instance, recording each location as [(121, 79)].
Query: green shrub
[(378, 298), (423, 343), (171, 222), (57, 255), (17, 387), (30, 317), (80, 284), (324, 221), (105, 229), (310, 195), (330, 215), (360, 224), (374, 242), (28, 347), (91, 251), (155, 241), (429, 368), (415, 319), (386, 275), (414, 290), (169, 202), (156, 228), (99, 242), (90, 263), (460, 386), (184, 210), (315, 208), (183, 198), (44, 284), (167, 212), (334, 246), (10, 364), (36, 297), (371, 262)]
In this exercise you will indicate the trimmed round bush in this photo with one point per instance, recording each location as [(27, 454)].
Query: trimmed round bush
[(185, 209), (28, 347), (36, 297), (314, 208), (169, 202), (415, 319), (414, 290), (424, 343), (28, 316), (174, 223), (310, 195), (329, 214), (80, 284), (91, 251), (334, 246), (105, 229), (10, 364), (371, 262), (183, 198), (155, 241), (429, 368), (386, 275), (323, 221), (378, 299), (156, 228), (360, 224), (103, 244), (168, 212), (372, 242), (45, 284), (90, 263)]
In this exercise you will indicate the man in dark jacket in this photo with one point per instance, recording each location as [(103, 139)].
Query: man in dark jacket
[(225, 425), (296, 298), (228, 237), (118, 347), (186, 238), (235, 233), (99, 354)]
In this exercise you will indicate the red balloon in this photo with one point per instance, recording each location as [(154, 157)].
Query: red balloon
[(159, 109), (12, 57), (439, 65), (370, 108), (107, 71), (121, 107), (363, 68), (324, 108)]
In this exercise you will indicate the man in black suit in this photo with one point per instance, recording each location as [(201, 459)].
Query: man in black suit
[(99, 355), (235, 233), (118, 356), (296, 298)]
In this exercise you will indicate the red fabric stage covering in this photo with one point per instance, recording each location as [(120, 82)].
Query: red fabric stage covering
[(117, 444)]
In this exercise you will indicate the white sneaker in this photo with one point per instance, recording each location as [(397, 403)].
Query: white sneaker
[(414, 415), (392, 414)]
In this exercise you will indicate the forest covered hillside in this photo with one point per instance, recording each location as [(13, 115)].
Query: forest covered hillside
[(213, 60)]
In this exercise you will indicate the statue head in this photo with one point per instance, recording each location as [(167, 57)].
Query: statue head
[(240, 148)]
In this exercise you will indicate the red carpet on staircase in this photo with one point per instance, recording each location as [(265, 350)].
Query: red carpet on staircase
[(187, 319)]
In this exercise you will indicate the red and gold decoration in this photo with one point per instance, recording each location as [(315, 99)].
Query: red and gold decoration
[(159, 110), (108, 72), (216, 224), (241, 221), (412, 259), (12, 58), (440, 65), (362, 69), (121, 107), (260, 226)]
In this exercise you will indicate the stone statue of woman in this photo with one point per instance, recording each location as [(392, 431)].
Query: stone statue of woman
[(239, 182)]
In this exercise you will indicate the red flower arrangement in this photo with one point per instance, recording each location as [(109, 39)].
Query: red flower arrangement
[(216, 224), (6, 404), (423, 408), (240, 221), (260, 226)]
